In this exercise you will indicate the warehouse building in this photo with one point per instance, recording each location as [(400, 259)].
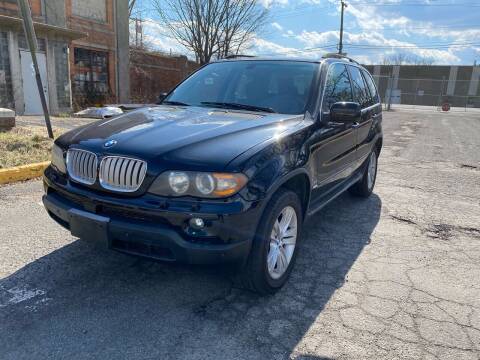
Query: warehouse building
[(428, 85), (82, 54)]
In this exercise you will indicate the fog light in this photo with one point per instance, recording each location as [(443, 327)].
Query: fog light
[(197, 223)]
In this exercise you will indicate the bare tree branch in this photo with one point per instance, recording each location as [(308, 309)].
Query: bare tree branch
[(131, 5), (406, 59), (211, 28)]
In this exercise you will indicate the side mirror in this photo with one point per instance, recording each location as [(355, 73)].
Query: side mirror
[(345, 112), (162, 96)]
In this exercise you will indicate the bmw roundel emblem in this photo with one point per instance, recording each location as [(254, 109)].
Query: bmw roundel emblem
[(110, 143)]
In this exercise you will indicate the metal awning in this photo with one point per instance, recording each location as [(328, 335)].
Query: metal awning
[(9, 22)]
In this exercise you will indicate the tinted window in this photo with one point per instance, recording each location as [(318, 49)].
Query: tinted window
[(360, 91), (337, 87), (283, 86), (371, 87)]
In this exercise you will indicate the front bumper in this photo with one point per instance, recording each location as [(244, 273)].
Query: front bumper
[(147, 232)]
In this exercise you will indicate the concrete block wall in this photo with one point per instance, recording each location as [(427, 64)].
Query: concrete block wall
[(430, 85)]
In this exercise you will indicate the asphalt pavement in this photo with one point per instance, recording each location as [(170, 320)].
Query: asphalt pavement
[(396, 276)]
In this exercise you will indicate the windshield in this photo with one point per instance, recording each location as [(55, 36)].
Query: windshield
[(272, 86)]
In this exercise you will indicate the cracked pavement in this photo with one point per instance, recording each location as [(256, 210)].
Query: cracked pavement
[(396, 276)]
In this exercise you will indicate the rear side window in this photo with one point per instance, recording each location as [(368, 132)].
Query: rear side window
[(360, 91), (337, 86), (371, 87)]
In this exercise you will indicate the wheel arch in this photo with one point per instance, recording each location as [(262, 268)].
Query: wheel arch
[(297, 181)]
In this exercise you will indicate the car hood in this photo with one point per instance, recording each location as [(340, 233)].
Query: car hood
[(174, 137)]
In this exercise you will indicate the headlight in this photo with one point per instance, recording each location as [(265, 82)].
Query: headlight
[(58, 161), (179, 182), (205, 183), (198, 184)]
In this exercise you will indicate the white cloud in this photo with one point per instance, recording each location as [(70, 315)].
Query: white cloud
[(262, 47), (375, 24), (375, 39), (157, 37), (277, 26), (314, 38), (269, 3)]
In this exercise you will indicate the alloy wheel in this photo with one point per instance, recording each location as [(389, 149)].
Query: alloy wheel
[(283, 240)]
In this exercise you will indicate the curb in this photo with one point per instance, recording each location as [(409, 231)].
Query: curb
[(24, 172)]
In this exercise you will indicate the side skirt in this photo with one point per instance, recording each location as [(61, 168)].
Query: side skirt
[(319, 204)]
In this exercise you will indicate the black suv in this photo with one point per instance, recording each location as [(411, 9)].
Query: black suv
[(226, 168)]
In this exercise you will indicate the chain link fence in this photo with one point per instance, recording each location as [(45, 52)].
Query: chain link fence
[(437, 94)]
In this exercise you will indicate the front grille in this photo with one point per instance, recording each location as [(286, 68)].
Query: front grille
[(82, 166), (122, 174)]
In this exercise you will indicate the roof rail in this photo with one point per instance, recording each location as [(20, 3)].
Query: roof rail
[(234, 56), (339, 56)]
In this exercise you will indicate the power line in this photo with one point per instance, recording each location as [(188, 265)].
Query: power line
[(414, 46), (416, 4)]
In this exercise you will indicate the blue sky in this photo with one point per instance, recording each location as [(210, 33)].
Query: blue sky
[(443, 31)]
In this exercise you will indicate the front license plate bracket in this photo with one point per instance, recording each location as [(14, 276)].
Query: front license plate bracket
[(88, 226)]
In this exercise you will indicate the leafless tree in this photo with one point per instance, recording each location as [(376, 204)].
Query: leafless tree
[(244, 19), (212, 28), (406, 59)]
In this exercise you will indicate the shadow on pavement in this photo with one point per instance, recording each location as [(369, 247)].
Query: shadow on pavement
[(82, 302)]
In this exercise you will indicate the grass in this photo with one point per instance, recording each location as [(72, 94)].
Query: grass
[(24, 145)]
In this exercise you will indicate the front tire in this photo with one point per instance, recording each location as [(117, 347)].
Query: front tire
[(364, 187), (275, 245)]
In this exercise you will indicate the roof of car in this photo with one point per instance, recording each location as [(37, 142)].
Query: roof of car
[(263, 58), (326, 57)]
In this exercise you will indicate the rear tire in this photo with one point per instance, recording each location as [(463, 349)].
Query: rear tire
[(364, 187), (275, 245)]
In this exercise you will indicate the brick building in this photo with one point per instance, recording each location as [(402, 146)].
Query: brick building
[(83, 54), (152, 73)]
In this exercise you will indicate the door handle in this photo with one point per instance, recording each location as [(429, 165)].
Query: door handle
[(355, 125)]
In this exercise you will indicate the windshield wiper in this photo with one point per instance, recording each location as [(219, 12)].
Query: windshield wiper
[(227, 105), (168, 102)]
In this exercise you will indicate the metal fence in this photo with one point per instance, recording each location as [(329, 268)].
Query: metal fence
[(414, 93)]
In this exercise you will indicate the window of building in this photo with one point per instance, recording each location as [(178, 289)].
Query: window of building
[(60, 50), (90, 80), (90, 9), (23, 45), (6, 93), (337, 87)]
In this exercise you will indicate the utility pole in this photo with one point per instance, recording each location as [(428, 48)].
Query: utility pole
[(138, 32), (32, 45), (340, 44)]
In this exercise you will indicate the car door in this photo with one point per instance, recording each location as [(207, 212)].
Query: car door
[(366, 134), (334, 150), (361, 94)]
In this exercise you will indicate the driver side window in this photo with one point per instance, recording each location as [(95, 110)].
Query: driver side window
[(337, 87)]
